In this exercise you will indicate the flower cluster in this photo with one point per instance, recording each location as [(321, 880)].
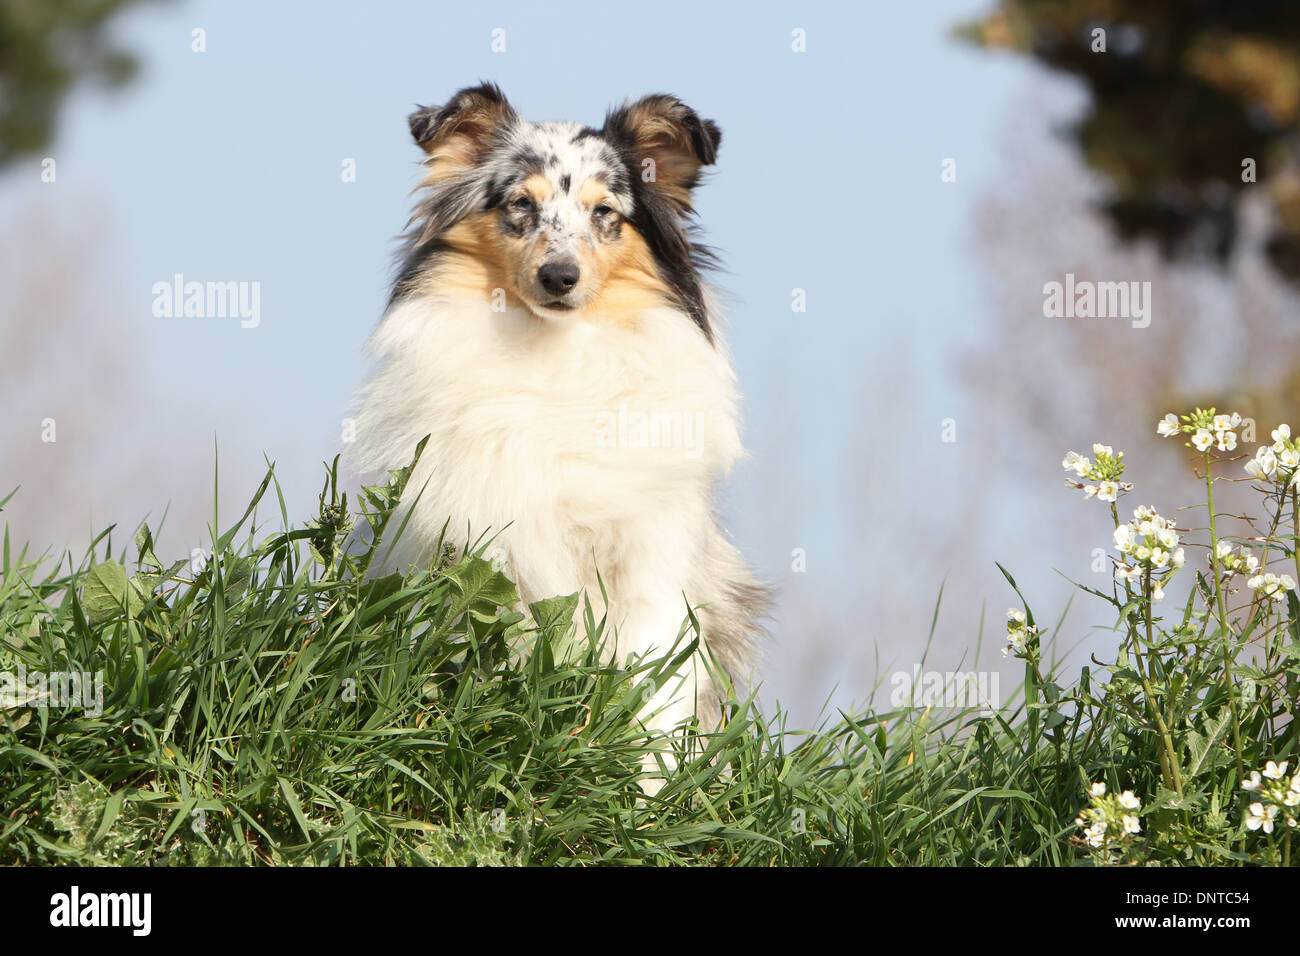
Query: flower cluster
[(1243, 562), (1150, 543), (1204, 427), (1020, 634), (1272, 585), (1110, 822), (1279, 462), (1277, 797), (1105, 472)]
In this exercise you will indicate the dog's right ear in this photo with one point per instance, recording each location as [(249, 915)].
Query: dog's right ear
[(460, 133)]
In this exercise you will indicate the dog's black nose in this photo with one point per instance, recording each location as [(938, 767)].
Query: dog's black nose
[(558, 277)]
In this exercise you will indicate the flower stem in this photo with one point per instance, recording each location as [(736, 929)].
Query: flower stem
[(1295, 524), (1168, 756), (1224, 634)]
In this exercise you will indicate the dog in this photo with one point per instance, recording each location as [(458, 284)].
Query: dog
[(549, 329)]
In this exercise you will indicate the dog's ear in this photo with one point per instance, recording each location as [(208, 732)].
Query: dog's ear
[(460, 133), (667, 141)]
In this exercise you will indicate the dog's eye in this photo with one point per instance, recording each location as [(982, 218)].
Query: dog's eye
[(523, 204), (601, 211)]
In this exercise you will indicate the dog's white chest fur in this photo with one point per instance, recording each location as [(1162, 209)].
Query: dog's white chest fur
[(582, 446)]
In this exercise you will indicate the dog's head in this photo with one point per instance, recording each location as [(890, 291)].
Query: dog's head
[(565, 217)]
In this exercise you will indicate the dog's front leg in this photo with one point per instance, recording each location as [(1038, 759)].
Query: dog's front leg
[(650, 633)]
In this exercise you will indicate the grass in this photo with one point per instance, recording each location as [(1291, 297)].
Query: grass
[(270, 706)]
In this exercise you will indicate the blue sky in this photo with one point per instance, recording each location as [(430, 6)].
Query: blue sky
[(225, 165)]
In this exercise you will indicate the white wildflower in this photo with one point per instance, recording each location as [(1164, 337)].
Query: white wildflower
[(1077, 463), (1263, 465)]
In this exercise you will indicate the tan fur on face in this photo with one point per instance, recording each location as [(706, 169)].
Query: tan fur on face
[(630, 282), (482, 259), (594, 192), (538, 188), (474, 267)]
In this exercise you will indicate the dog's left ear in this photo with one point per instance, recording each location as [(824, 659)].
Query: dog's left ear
[(668, 142)]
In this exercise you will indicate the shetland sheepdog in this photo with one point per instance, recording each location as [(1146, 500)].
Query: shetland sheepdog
[(550, 330)]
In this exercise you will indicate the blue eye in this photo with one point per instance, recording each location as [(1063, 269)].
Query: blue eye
[(523, 204), (602, 211)]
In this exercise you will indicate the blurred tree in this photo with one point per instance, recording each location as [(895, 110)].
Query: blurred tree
[(1184, 95), (47, 47)]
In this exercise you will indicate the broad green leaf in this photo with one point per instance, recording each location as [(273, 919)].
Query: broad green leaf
[(108, 593)]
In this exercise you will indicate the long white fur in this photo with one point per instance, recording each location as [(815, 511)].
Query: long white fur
[(518, 411)]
